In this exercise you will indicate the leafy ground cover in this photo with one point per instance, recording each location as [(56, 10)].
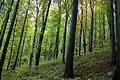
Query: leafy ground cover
[(91, 66)]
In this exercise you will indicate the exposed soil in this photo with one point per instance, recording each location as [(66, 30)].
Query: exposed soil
[(102, 66)]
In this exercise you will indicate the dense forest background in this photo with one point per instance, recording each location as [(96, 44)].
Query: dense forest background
[(58, 39)]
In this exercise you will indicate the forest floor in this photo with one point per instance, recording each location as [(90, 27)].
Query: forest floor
[(92, 66)]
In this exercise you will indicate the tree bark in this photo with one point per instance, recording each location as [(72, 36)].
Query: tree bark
[(95, 29), (112, 32), (117, 71), (84, 31), (64, 36), (81, 27), (69, 60), (91, 28)]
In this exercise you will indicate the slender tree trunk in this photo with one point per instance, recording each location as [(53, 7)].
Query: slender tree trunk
[(81, 27), (22, 49), (100, 29), (50, 50), (9, 60), (64, 36), (102, 34), (95, 30), (76, 46), (69, 60), (91, 28), (104, 28), (58, 29), (117, 14), (84, 31), (1, 3), (112, 33), (14, 66), (33, 44), (4, 25), (8, 38), (84, 40), (41, 36)]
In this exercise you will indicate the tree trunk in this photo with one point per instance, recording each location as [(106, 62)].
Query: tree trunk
[(112, 33), (64, 36), (50, 50), (104, 27), (117, 14), (22, 49), (95, 30), (91, 28), (4, 25), (8, 38), (76, 44), (58, 29), (41, 36), (1, 3), (117, 71), (9, 60), (81, 30), (14, 66), (100, 29), (69, 60), (84, 31), (35, 32), (84, 40)]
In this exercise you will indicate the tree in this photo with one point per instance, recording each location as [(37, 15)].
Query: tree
[(112, 32), (84, 31), (91, 27), (65, 30), (22, 49), (33, 44), (69, 60), (8, 38), (58, 29), (4, 26), (41, 35), (117, 71), (116, 13), (81, 28), (1, 3), (11, 50), (26, 14)]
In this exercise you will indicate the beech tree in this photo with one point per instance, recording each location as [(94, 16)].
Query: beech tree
[(69, 60), (41, 34), (65, 31), (91, 27), (112, 32), (117, 71)]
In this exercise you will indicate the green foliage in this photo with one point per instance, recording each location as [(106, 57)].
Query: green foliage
[(50, 68)]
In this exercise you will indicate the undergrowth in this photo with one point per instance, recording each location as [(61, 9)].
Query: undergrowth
[(91, 66)]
